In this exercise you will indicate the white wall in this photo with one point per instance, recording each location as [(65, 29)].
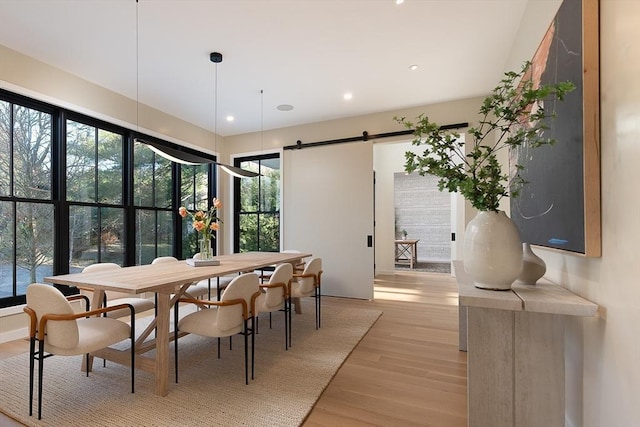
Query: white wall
[(603, 353)]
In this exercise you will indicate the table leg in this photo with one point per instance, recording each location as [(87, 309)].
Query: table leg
[(162, 346), (298, 305), (96, 302)]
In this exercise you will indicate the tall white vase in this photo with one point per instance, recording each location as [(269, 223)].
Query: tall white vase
[(533, 267), (492, 252)]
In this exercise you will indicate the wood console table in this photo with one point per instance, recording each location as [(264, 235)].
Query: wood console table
[(407, 251), (515, 344)]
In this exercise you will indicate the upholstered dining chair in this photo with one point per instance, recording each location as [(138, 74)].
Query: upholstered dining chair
[(298, 267), (196, 290), (60, 331), (276, 297), (221, 282), (308, 284), (233, 314), (113, 298)]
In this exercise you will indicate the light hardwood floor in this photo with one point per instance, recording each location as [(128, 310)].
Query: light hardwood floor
[(407, 370)]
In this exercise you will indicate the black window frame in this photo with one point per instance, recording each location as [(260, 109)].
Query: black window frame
[(59, 116), (237, 198)]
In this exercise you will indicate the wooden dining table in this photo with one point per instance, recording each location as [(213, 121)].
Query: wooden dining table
[(168, 281)]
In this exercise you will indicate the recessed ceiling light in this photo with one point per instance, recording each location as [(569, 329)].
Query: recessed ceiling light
[(285, 107), (399, 1), (230, 118), (413, 67), (348, 96)]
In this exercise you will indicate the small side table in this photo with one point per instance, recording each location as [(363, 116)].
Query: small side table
[(407, 251)]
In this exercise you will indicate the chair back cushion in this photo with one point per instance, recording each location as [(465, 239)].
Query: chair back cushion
[(45, 299), (282, 274), (101, 266), (163, 259), (243, 286), (314, 266)]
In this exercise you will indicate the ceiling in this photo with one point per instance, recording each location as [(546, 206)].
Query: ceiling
[(305, 53)]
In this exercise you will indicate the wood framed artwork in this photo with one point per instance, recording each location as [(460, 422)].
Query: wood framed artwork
[(559, 207)]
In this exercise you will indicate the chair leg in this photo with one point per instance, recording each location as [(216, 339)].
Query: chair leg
[(286, 326), (86, 358), (32, 355), (133, 353), (175, 339), (246, 353), (318, 299), (40, 369), (218, 347), (253, 347), (290, 319)]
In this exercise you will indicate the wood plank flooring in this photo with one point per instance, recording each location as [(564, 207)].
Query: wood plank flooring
[(407, 371)]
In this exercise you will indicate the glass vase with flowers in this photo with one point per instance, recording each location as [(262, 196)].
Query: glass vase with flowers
[(206, 223)]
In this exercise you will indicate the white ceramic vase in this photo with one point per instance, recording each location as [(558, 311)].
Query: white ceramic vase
[(533, 267), (492, 252)]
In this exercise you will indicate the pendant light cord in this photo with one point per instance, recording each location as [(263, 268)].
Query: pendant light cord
[(137, 71), (215, 110)]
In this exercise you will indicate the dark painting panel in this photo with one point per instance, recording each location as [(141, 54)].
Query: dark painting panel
[(550, 210)]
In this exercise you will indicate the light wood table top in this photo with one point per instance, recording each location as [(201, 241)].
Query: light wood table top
[(166, 277)]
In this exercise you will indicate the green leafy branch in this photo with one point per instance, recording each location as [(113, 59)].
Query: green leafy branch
[(514, 114)]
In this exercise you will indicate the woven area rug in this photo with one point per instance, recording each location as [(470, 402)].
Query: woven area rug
[(211, 391)]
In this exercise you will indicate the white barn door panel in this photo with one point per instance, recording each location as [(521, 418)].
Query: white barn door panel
[(328, 211)]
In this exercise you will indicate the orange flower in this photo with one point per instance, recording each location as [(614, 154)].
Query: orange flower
[(198, 225), (214, 226), (217, 203)]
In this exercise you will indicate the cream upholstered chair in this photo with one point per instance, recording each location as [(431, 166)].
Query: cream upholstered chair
[(221, 282), (60, 331), (196, 290), (308, 284), (117, 298), (276, 297), (298, 267), (225, 318)]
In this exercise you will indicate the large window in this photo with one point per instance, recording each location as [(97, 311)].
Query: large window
[(257, 205), (26, 205), (153, 198), (75, 190), (94, 160)]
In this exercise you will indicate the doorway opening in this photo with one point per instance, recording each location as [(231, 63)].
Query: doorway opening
[(422, 224)]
